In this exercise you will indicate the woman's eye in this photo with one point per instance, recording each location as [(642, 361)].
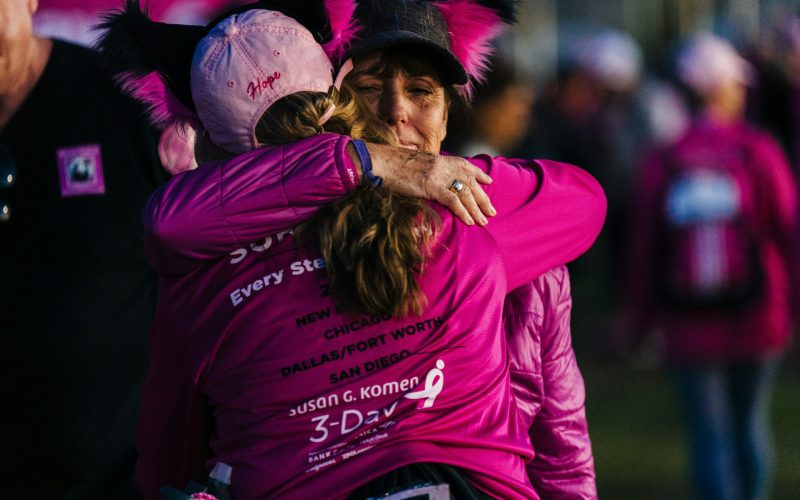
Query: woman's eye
[(422, 91), (368, 89)]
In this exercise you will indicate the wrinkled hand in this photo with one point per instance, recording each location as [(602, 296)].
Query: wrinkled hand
[(429, 176)]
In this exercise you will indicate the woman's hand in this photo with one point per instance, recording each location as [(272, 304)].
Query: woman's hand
[(429, 176)]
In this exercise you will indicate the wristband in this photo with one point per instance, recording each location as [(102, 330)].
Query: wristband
[(366, 163)]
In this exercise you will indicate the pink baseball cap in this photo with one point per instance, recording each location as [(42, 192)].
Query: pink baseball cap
[(246, 63)]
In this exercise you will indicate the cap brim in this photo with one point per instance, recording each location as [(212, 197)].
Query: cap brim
[(452, 70)]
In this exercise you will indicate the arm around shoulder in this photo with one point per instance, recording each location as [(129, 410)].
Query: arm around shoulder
[(548, 213), (209, 212)]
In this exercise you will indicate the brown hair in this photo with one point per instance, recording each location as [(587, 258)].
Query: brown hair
[(408, 60), (297, 116), (373, 241)]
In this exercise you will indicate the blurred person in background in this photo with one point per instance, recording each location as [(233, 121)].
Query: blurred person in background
[(590, 116), (714, 265), (77, 163), (501, 114)]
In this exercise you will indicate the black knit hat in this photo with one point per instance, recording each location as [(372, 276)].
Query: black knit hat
[(388, 23)]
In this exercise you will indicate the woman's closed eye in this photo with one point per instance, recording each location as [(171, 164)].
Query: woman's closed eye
[(369, 89), (420, 90), (422, 87)]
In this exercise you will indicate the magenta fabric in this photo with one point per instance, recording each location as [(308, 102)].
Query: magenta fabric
[(548, 386), (225, 207), (708, 336), (158, 9), (249, 340)]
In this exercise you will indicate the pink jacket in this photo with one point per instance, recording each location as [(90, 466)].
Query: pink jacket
[(350, 397), (707, 336), (548, 386)]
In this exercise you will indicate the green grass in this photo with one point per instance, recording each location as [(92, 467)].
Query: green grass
[(638, 440)]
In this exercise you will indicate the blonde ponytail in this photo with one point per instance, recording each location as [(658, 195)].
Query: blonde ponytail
[(373, 241)]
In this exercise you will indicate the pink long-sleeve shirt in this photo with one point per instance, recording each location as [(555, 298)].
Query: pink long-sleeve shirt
[(254, 363)]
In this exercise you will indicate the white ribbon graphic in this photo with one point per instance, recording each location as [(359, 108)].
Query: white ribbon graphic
[(434, 382)]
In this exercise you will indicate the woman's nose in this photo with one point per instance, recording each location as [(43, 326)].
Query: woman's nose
[(393, 108)]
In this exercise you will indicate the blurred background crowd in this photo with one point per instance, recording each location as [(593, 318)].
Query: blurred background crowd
[(594, 83)]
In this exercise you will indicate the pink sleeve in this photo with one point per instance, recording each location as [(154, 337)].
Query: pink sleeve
[(174, 425), (208, 212), (563, 465), (548, 214)]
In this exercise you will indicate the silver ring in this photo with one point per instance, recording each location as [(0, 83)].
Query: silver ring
[(456, 186)]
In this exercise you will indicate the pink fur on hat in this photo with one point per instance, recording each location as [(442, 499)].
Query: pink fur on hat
[(343, 27), (472, 27), (163, 108)]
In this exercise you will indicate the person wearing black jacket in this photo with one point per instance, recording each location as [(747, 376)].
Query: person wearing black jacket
[(77, 163)]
